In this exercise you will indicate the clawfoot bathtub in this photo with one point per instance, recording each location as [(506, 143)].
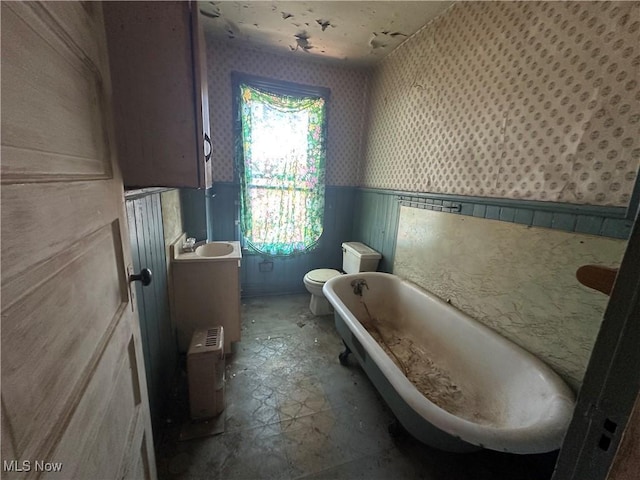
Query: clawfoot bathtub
[(452, 382)]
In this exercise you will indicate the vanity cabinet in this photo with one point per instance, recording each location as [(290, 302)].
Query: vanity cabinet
[(205, 291), (157, 58)]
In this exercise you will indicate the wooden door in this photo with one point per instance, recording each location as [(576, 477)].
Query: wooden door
[(74, 397)]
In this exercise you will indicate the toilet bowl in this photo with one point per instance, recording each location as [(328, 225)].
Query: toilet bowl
[(356, 257), (314, 281)]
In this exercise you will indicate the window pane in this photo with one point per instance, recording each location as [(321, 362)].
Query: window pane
[(279, 217), (278, 144)]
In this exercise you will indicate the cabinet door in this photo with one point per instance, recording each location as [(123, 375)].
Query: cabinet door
[(202, 92), (154, 52)]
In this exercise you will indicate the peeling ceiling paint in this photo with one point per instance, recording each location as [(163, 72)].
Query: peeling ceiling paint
[(351, 32)]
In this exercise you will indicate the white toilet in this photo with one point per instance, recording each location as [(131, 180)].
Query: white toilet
[(356, 257)]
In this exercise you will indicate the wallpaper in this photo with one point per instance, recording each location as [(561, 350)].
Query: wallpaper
[(523, 100), (171, 216), (523, 285), (346, 106)]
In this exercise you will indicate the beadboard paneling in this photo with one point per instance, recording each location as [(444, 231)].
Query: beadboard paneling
[(144, 216), (376, 224), (282, 275)]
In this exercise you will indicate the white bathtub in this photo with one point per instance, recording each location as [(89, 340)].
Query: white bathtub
[(493, 393)]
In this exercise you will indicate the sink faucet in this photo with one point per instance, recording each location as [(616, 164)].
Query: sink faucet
[(189, 245), (357, 285)]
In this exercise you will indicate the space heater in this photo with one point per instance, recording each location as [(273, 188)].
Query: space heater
[(205, 371)]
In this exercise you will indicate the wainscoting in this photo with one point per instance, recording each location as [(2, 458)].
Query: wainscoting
[(371, 216), (376, 224), (263, 275), (377, 213), (144, 217)]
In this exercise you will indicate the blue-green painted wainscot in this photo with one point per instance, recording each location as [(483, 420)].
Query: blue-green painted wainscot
[(146, 237), (263, 275), (371, 216)]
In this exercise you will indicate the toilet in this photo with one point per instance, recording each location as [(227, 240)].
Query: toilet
[(356, 257)]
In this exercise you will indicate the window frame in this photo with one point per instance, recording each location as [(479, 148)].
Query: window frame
[(277, 87)]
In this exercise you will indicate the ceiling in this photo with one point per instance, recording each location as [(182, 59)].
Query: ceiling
[(354, 33)]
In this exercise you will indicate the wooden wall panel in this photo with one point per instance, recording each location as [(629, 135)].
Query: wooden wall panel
[(224, 212), (194, 213), (376, 216), (287, 273), (376, 224), (146, 236)]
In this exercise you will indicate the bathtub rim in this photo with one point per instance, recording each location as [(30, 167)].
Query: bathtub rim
[(544, 435)]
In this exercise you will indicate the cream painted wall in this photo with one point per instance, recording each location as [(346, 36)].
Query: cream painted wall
[(171, 218), (346, 107), (516, 279), (171, 215)]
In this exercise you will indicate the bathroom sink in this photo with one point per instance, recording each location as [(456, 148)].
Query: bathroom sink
[(217, 249)]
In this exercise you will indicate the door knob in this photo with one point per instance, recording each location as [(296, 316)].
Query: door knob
[(144, 276)]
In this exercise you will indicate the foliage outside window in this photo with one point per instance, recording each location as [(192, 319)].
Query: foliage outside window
[(281, 164)]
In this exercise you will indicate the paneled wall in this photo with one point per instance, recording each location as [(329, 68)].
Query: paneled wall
[(520, 100), (194, 212), (269, 276), (146, 235), (376, 224), (376, 216), (346, 106)]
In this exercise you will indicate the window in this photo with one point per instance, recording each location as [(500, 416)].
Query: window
[(281, 150)]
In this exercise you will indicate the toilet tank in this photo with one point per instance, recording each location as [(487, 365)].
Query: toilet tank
[(358, 257)]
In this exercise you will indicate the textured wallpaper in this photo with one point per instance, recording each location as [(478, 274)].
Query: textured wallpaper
[(536, 101), (523, 285), (171, 216), (346, 107)]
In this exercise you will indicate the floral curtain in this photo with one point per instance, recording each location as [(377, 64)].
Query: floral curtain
[(282, 171)]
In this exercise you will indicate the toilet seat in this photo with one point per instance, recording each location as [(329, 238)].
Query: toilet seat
[(321, 275)]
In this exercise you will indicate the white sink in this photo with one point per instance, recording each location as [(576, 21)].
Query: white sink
[(217, 249)]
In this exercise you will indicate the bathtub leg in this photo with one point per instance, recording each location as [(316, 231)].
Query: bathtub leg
[(396, 430), (343, 357)]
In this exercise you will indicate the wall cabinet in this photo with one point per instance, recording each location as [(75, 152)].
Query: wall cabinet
[(157, 57)]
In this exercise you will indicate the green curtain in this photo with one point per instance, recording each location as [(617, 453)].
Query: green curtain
[(282, 171)]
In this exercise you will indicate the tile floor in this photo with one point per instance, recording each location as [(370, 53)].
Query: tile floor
[(293, 412)]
